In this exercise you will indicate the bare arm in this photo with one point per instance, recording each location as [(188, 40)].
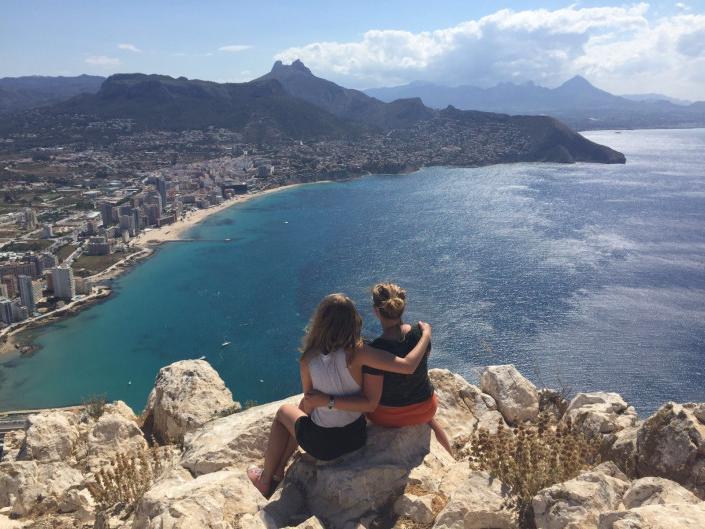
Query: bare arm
[(364, 402), (306, 385), (388, 362)]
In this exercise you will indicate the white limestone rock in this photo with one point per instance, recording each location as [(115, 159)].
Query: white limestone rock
[(29, 488), (50, 436), (671, 444), (236, 441), (186, 395), (577, 503), (359, 484), (115, 432), (656, 491), (673, 516), (516, 397), (213, 500), (462, 407), (419, 509), (600, 413), (474, 501)]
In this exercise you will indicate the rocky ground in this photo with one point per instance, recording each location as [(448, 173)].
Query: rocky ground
[(653, 476)]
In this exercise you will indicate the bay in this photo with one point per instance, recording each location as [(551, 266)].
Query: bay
[(585, 276)]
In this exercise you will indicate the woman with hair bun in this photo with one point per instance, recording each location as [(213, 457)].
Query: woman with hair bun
[(330, 421), (406, 399)]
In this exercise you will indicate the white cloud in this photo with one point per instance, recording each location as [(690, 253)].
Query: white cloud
[(620, 49), (129, 47), (102, 60), (234, 48)]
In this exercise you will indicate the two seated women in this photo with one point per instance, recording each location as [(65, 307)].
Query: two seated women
[(347, 381)]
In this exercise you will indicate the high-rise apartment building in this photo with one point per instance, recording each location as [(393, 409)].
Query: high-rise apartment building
[(63, 282)]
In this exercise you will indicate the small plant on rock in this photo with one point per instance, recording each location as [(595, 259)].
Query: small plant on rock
[(531, 457), (127, 479), (95, 405)]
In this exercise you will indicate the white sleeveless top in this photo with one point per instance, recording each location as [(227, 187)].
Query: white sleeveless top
[(330, 375)]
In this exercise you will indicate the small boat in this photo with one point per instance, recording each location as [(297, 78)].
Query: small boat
[(286, 222), (225, 344), (129, 382), (202, 357)]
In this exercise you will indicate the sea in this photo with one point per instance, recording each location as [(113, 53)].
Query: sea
[(586, 277)]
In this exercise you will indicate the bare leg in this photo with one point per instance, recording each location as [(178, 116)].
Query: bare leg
[(441, 436), (290, 449), (279, 437)]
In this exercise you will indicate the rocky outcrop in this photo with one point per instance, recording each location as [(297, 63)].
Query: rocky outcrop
[(213, 500), (677, 516), (577, 503), (28, 487), (600, 413), (656, 491), (50, 436), (462, 407), (671, 444), (186, 395), (402, 478), (516, 397)]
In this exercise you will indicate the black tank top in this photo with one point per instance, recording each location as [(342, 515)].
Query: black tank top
[(403, 390)]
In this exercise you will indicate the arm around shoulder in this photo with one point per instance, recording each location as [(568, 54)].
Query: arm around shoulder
[(388, 362)]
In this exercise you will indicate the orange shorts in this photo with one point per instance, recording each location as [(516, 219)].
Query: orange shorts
[(398, 416)]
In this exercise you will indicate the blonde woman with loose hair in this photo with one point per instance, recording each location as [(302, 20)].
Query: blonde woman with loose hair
[(407, 399), (330, 421)]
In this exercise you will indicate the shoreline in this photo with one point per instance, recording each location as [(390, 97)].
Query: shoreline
[(146, 244)]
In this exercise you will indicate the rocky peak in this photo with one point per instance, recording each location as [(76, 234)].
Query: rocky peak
[(297, 65)]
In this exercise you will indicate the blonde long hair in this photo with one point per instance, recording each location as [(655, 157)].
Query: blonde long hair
[(336, 324)]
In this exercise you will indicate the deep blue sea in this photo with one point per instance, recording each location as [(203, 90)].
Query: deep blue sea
[(586, 276)]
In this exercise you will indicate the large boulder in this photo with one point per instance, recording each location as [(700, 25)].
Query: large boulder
[(359, 484), (671, 444), (673, 516), (213, 500), (115, 432), (620, 447), (577, 503), (600, 413), (236, 441), (31, 488), (656, 491), (186, 395), (474, 501), (516, 397), (462, 407), (50, 436)]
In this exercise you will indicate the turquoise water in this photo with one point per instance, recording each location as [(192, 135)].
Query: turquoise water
[(585, 276)]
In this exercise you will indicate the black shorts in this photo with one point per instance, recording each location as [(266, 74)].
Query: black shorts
[(330, 443)]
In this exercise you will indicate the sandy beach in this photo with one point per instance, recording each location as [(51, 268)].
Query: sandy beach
[(175, 231)]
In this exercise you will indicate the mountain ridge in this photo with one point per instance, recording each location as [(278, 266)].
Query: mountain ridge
[(577, 102)]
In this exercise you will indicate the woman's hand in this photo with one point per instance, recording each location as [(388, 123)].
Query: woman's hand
[(425, 329), (315, 399)]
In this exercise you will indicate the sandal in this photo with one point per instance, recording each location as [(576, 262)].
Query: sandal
[(255, 474)]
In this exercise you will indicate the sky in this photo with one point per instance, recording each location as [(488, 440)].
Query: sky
[(624, 48)]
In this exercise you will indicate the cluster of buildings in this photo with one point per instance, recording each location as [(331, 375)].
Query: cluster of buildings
[(21, 294)]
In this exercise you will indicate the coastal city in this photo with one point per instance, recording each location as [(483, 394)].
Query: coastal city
[(75, 214), (63, 242)]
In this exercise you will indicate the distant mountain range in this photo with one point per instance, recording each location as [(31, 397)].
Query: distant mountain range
[(576, 102), (21, 93), (291, 103)]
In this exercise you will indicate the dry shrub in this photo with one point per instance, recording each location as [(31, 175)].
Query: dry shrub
[(127, 478), (95, 405), (533, 457)]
